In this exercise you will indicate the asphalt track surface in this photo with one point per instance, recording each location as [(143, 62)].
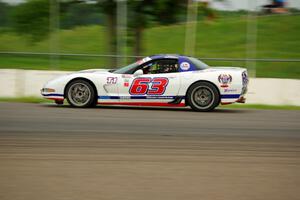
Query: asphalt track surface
[(55, 152)]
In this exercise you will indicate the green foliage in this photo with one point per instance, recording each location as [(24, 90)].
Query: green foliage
[(162, 12), (32, 18), (144, 12), (80, 14), (4, 14), (107, 6), (278, 37)]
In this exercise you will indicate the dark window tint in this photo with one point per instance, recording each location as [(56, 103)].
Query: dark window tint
[(160, 66)]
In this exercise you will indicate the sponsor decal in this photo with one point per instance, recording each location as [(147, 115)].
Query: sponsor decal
[(230, 90), (163, 97), (140, 97), (124, 97), (185, 66), (112, 80), (225, 79), (126, 84)]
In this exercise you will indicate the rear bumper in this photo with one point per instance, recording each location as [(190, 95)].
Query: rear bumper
[(241, 100)]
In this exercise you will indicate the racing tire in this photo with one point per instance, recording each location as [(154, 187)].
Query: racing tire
[(203, 96), (81, 94)]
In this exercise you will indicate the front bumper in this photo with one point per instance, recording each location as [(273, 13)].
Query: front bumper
[(50, 93)]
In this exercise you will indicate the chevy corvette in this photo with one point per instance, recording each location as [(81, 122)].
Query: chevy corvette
[(159, 80)]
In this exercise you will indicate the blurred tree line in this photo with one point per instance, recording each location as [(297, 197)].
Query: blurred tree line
[(32, 17)]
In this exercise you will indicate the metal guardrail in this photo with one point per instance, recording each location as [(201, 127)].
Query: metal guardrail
[(122, 56)]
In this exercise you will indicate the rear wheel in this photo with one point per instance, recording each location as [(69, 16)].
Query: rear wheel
[(203, 96), (80, 93)]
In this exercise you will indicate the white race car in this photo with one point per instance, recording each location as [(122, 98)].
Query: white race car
[(159, 80)]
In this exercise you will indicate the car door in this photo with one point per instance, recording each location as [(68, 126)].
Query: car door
[(160, 82)]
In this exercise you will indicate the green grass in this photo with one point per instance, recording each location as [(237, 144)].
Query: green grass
[(233, 106), (45, 63), (25, 100), (261, 107), (278, 37), (88, 40)]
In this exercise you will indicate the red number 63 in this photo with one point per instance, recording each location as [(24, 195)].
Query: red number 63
[(140, 86)]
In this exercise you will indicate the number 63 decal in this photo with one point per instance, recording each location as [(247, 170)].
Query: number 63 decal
[(141, 86)]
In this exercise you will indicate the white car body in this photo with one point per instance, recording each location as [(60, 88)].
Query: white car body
[(114, 88)]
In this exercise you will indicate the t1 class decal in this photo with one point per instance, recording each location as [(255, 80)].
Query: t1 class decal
[(111, 80)]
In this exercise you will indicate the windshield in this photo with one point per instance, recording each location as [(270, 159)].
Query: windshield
[(127, 68), (198, 63)]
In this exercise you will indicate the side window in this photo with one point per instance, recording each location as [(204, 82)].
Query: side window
[(161, 66)]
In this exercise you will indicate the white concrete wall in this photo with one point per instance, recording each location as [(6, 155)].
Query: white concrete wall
[(19, 83), (274, 91)]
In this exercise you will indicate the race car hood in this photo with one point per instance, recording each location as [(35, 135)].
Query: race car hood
[(77, 73), (98, 71), (64, 78)]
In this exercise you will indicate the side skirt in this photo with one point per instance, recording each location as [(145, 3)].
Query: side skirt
[(143, 104)]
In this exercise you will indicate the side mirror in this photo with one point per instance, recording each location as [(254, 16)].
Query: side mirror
[(138, 72)]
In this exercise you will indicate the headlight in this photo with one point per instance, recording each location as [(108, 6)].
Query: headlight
[(48, 90)]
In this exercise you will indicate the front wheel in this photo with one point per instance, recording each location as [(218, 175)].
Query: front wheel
[(203, 96), (80, 93)]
